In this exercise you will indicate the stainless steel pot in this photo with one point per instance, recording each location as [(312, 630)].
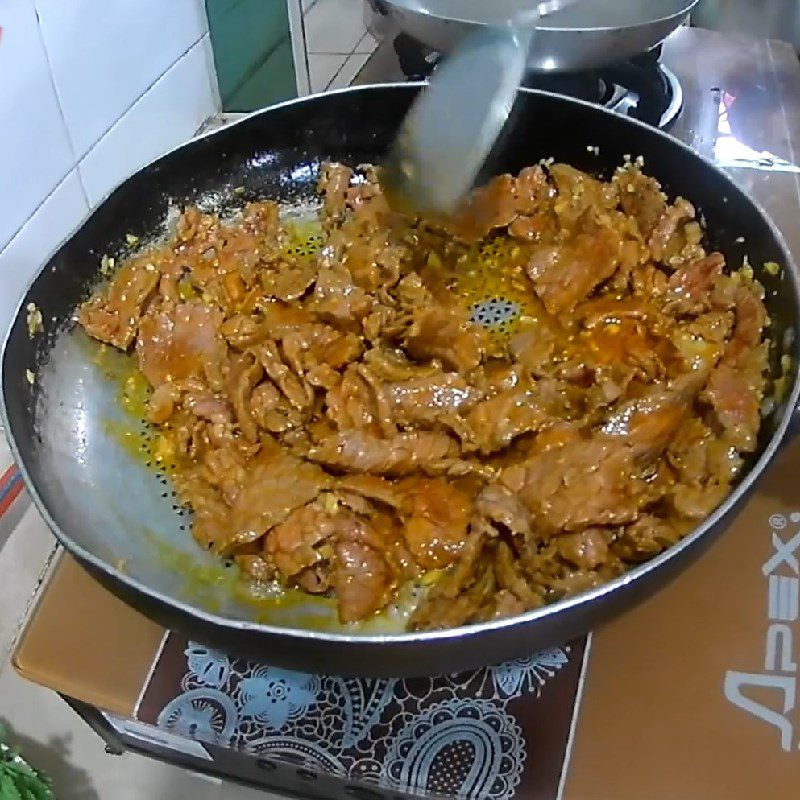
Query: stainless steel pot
[(587, 35)]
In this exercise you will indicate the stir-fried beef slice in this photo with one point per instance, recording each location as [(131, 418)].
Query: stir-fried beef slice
[(373, 257), (736, 385), (338, 300), (502, 508), (404, 453), (646, 537), (496, 422), (444, 391), (457, 597), (431, 401), (697, 502), (647, 424), (491, 206), (113, 315), (495, 376), (299, 395), (500, 473), (691, 284), (641, 197), (579, 193), (394, 366), (437, 514), (210, 526), (262, 219), (289, 281), (532, 190), (748, 326), (365, 569), (448, 334), (362, 580), (318, 548), (241, 396), (509, 577), (582, 483), (664, 240), (503, 202), (696, 345), (735, 397), (350, 404), (383, 409), (163, 403), (225, 468), (271, 410), (272, 489), (275, 321), (534, 345), (627, 348), (296, 543), (565, 274), (181, 341), (355, 502), (370, 209), (698, 456), (311, 345), (373, 488), (334, 181), (587, 549)]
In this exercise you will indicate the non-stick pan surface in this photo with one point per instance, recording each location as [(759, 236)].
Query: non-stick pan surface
[(117, 518)]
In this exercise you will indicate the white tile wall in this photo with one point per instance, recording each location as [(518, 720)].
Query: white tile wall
[(104, 55), (34, 148), (90, 90), (52, 222), (177, 104)]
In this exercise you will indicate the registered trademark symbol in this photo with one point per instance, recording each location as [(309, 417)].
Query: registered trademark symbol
[(794, 516), (778, 521)]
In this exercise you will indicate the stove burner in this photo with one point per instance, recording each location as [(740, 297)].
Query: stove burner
[(641, 88)]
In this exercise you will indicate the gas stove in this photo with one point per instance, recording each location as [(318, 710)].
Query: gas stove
[(642, 87)]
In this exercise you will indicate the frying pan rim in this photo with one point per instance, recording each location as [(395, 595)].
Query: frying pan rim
[(638, 573), (427, 13)]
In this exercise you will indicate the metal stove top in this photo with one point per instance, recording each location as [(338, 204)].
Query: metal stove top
[(642, 87), (741, 109)]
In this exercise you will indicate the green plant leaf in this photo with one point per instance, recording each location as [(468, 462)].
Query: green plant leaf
[(20, 781), (8, 787)]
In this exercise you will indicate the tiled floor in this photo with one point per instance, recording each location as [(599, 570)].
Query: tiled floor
[(338, 42)]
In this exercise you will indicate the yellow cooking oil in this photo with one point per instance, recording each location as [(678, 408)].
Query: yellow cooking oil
[(493, 272), (304, 236), (206, 583), (133, 393)]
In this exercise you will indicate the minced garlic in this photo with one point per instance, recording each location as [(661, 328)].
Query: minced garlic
[(35, 321)]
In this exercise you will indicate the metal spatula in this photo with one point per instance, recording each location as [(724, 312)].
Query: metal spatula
[(453, 124)]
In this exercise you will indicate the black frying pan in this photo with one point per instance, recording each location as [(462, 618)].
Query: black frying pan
[(116, 517)]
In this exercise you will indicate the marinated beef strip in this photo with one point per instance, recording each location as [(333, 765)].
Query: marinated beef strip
[(113, 314), (358, 451), (338, 424)]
